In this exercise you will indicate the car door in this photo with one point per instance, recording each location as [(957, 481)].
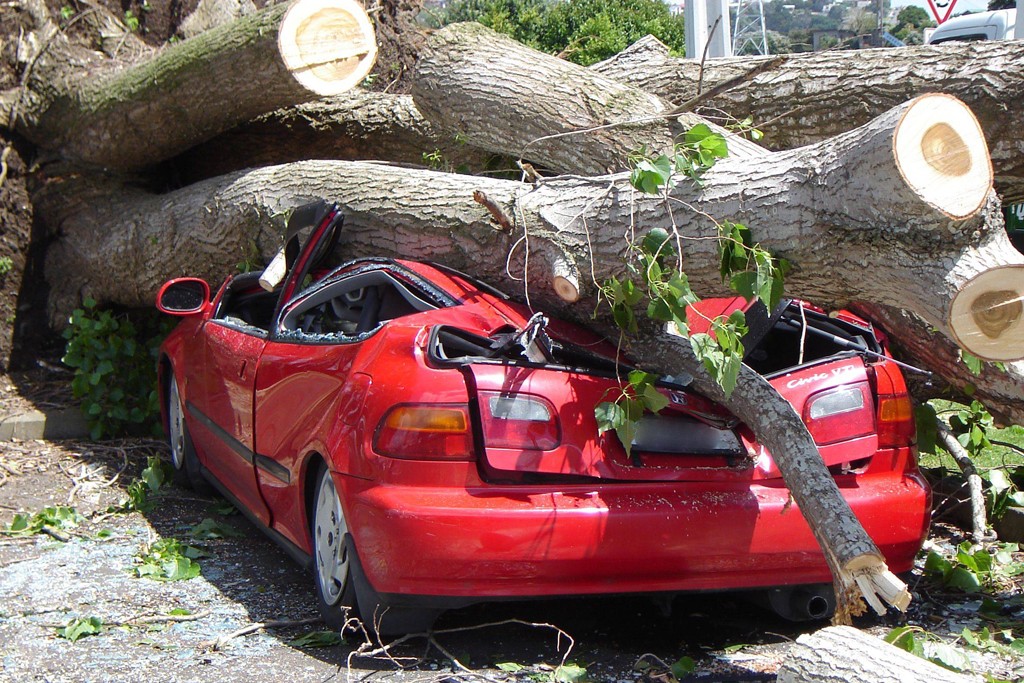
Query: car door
[(224, 409)]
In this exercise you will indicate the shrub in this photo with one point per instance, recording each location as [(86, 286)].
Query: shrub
[(114, 358)]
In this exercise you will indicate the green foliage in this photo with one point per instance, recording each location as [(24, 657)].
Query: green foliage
[(157, 473), (60, 517), (80, 628), (698, 151), (583, 31), (974, 571), (1003, 491), (211, 529), (653, 275), (6, 265), (971, 424), (682, 667), (316, 639), (913, 16), (168, 560), (570, 673), (66, 12), (1001, 642), (927, 646), (114, 359), (131, 21)]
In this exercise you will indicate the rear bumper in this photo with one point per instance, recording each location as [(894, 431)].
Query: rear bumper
[(526, 541)]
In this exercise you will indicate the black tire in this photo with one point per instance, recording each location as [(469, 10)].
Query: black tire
[(342, 589), (332, 571), (187, 470)]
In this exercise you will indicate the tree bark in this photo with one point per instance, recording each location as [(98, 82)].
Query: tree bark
[(502, 96), (356, 126), (979, 521), (999, 386), (813, 96), (840, 654), (127, 118)]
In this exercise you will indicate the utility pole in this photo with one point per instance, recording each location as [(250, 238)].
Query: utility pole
[(708, 29), (749, 35)]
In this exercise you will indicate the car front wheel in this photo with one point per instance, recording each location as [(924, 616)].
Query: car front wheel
[(183, 453)]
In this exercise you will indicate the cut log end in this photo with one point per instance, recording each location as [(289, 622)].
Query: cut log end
[(941, 152), (565, 280), (328, 45), (987, 316)]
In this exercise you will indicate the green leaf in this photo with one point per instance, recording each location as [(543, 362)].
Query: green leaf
[(317, 639), (653, 399), (999, 481), (964, 580), (509, 667), (570, 673), (658, 242), (947, 656), (903, 638), (973, 363), (211, 529), (80, 628), (698, 134), (936, 564), (683, 666), (609, 416)]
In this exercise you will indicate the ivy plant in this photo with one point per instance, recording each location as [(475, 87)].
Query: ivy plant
[(114, 359)]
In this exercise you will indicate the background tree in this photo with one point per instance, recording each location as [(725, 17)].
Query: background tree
[(583, 31), (1002, 4), (910, 25)]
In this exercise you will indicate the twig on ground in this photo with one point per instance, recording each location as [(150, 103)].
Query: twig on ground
[(221, 641), (384, 650)]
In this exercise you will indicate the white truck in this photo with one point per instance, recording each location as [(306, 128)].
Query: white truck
[(994, 25)]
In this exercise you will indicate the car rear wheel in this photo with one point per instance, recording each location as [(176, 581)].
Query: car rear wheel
[(187, 471), (332, 574), (342, 588)]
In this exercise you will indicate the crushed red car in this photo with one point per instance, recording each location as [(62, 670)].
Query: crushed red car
[(421, 442)]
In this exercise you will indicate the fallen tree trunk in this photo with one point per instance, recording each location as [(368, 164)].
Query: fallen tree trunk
[(913, 181), (130, 118), (358, 125), (813, 96), (999, 386), (104, 113), (526, 104), (840, 654)]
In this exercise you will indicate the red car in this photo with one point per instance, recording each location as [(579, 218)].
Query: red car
[(422, 443)]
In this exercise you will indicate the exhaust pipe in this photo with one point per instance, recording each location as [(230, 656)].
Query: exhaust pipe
[(803, 603)]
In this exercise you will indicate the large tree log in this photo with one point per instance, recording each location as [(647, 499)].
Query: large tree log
[(812, 96), (128, 118), (356, 126), (543, 106), (999, 386), (100, 112), (840, 654), (936, 169)]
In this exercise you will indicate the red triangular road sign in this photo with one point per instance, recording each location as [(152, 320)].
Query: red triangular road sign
[(941, 9)]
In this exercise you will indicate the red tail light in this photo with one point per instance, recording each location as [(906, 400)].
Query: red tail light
[(896, 427), (425, 432), (840, 413), (518, 421)]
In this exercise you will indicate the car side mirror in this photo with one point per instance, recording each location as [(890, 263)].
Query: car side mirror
[(183, 296)]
